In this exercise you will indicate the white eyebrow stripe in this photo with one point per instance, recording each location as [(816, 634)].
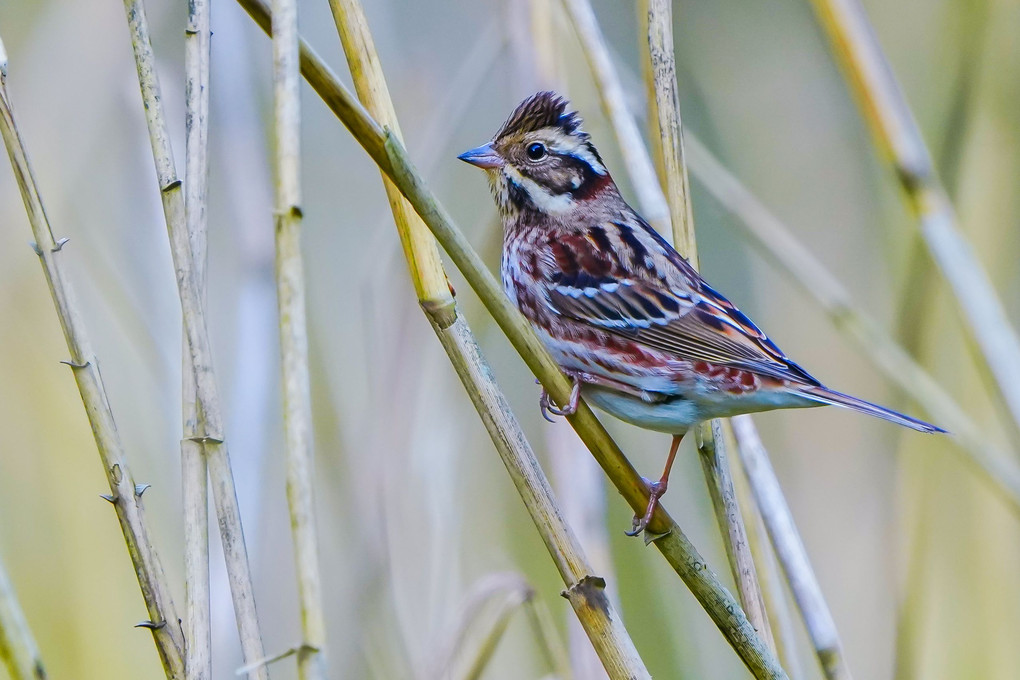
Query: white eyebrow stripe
[(579, 149), (588, 157)]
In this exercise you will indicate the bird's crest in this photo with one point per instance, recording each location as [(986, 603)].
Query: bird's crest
[(541, 110)]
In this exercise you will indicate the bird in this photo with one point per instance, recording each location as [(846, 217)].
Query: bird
[(642, 336)]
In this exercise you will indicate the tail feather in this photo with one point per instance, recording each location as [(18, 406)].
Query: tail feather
[(826, 396)]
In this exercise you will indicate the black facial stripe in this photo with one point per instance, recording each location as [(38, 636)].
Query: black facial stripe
[(558, 174), (517, 194)]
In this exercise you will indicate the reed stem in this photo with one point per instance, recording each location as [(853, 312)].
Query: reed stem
[(711, 444), (730, 517), (213, 438), (994, 464), (194, 470), (769, 577), (790, 550), (125, 495), (639, 165), (18, 649), (899, 140), (670, 139), (584, 590), (295, 380), (390, 156)]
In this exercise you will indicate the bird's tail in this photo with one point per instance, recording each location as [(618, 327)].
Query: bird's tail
[(826, 396)]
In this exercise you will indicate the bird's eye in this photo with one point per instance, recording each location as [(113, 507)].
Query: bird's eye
[(536, 151)]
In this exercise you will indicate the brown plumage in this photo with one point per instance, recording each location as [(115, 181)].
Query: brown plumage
[(625, 315)]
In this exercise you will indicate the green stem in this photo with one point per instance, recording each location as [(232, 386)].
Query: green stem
[(390, 156)]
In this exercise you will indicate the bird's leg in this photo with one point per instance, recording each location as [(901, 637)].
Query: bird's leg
[(546, 404), (656, 490)]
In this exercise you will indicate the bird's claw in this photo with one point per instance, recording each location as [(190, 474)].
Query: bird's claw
[(545, 402), (655, 491)]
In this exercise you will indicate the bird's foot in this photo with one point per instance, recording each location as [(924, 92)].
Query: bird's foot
[(545, 402), (655, 491)]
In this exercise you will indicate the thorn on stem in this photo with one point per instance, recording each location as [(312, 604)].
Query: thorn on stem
[(140, 489), (204, 439), (648, 536), (72, 364), (59, 245), (36, 248), (109, 498), (150, 625)]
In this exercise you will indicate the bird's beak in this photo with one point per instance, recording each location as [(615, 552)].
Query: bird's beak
[(484, 157)]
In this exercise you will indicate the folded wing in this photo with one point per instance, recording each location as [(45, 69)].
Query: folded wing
[(626, 279)]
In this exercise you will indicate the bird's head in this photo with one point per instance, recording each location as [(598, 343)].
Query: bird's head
[(541, 160)]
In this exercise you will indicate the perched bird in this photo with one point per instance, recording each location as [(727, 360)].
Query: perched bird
[(641, 334)]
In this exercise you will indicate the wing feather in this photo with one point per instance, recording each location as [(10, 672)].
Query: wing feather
[(645, 291)]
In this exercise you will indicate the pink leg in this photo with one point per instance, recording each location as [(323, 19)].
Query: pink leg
[(547, 405), (656, 490)]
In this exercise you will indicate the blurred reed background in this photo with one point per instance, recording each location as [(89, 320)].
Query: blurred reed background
[(916, 556)]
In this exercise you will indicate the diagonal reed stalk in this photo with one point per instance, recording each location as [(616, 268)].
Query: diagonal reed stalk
[(790, 550), (125, 495), (420, 249), (595, 42), (711, 443), (899, 139), (584, 590), (681, 554), (577, 479), (18, 649), (290, 292), (768, 233), (714, 458), (773, 238), (657, 45), (769, 577), (723, 495), (212, 438), (194, 471)]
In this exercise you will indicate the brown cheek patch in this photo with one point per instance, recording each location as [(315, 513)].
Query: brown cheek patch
[(592, 187)]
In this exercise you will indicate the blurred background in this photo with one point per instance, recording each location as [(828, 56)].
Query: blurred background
[(917, 559)]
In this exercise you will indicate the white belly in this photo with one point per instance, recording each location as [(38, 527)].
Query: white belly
[(675, 416)]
